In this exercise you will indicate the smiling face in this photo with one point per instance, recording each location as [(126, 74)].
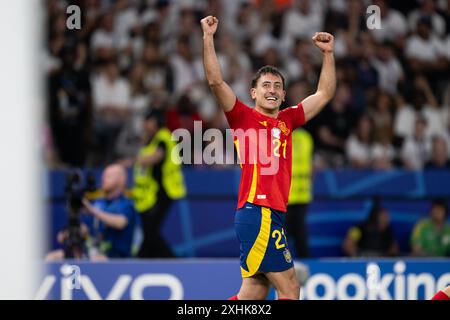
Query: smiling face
[(268, 93)]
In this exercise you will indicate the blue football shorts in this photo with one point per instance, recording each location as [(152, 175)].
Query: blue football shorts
[(262, 238)]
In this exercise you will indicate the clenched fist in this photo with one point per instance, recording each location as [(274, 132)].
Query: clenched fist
[(324, 41), (209, 25)]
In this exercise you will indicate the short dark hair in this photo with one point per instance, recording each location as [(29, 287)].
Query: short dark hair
[(265, 70), (439, 202), (156, 114), (425, 20)]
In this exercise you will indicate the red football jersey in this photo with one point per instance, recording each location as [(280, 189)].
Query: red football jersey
[(264, 147)]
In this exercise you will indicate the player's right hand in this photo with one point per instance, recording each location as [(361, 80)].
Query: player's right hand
[(324, 41), (209, 25)]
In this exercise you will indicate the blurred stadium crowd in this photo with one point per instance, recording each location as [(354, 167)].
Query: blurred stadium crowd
[(391, 108)]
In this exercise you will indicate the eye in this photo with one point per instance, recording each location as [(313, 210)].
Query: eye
[(265, 85)]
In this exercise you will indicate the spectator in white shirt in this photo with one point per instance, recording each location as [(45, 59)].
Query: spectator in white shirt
[(423, 102), (246, 24), (427, 8), (111, 98), (384, 154), (158, 75), (103, 41), (417, 147), (129, 140), (424, 51), (126, 17), (390, 71), (393, 24), (183, 66), (359, 145), (405, 117), (431, 110), (303, 19), (111, 93), (439, 155)]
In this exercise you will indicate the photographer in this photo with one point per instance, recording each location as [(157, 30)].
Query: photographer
[(115, 214), (73, 239), (111, 219)]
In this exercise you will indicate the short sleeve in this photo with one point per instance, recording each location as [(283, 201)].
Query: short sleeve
[(237, 116), (295, 115), (128, 210)]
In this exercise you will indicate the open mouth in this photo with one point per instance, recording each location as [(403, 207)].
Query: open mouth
[(272, 98)]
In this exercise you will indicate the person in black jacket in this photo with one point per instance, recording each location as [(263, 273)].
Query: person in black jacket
[(373, 237)]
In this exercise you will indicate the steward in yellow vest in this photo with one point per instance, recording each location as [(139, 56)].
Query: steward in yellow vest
[(301, 190), (158, 181)]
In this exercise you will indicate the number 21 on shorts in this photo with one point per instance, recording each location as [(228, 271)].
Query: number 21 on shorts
[(279, 235)]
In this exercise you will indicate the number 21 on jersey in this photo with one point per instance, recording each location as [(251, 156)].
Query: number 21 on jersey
[(276, 143)]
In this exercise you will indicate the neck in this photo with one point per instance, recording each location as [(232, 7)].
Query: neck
[(267, 112), (111, 80), (113, 194), (438, 225)]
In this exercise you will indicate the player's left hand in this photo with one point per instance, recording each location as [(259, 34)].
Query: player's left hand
[(324, 41)]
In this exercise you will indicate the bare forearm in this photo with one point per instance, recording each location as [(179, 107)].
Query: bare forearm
[(313, 104), (327, 80), (221, 90), (210, 62), (111, 220)]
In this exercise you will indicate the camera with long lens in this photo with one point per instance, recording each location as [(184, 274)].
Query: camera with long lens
[(77, 186)]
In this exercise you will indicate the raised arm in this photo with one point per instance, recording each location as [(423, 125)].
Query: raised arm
[(221, 90), (116, 221), (327, 81)]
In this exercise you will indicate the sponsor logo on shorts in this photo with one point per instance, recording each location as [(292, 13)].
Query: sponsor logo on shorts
[(287, 255)]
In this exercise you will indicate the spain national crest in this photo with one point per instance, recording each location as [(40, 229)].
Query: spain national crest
[(283, 128), (287, 255)]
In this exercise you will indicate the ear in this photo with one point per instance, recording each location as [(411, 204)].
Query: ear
[(253, 93), (284, 96)]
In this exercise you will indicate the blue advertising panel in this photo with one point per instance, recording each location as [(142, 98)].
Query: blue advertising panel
[(133, 279), (219, 279), (376, 279), (202, 225)]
